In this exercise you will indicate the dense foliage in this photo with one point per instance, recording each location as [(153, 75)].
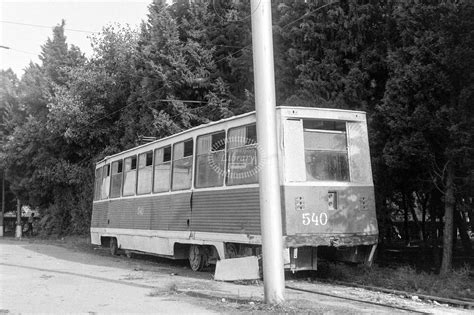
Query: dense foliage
[(410, 65)]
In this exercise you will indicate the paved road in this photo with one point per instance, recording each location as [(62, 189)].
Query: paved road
[(35, 280)]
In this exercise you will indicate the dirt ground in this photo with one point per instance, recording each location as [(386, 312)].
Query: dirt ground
[(64, 276)]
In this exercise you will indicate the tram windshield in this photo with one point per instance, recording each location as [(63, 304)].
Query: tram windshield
[(325, 149)]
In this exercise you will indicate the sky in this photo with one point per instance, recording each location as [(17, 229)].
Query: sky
[(83, 19)]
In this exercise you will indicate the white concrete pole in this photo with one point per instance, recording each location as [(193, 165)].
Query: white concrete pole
[(3, 204), (18, 230), (268, 176)]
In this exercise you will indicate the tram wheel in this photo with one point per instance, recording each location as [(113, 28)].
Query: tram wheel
[(113, 246), (197, 257)]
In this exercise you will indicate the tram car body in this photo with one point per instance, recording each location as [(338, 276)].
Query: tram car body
[(195, 195)]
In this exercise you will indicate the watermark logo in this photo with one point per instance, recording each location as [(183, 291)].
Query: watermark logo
[(241, 159)]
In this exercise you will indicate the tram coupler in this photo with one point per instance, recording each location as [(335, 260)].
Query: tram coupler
[(301, 258)]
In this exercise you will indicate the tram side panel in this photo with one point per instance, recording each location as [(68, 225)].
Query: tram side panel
[(98, 220), (180, 211), (162, 213), (135, 222), (230, 211), (99, 215)]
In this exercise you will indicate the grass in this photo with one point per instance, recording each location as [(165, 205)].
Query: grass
[(458, 284)]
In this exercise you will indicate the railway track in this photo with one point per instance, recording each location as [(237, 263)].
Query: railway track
[(353, 299), (460, 302), (457, 302)]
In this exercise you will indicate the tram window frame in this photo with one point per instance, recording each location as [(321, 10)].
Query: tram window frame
[(162, 160), (105, 190), (116, 176), (247, 142), (326, 159), (98, 183), (205, 175), (145, 186), (133, 167), (184, 155)]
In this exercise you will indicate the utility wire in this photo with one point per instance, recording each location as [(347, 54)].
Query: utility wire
[(286, 25), (239, 20), (310, 12), (136, 101), (185, 101), (44, 26), (246, 47), (24, 51)]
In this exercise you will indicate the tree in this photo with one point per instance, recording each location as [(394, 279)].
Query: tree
[(9, 106), (40, 164), (331, 54), (428, 99), (174, 66), (88, 110), (10, 116)]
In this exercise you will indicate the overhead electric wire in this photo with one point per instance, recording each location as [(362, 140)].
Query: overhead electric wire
[(246, 47), (45, 26), (310, 12), (239, 20), (184, 101), (298, 19), (136, 101), (23, 51)]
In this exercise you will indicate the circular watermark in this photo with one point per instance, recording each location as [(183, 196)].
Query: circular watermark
[(239, 158)]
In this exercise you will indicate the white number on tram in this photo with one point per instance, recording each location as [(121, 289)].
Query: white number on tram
[(314, 218)]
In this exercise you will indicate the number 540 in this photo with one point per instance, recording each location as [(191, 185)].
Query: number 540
[(314, 218)]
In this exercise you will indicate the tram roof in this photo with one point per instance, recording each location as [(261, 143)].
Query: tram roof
[(212, 123)]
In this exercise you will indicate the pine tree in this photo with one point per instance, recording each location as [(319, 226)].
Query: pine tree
[(428, 101)]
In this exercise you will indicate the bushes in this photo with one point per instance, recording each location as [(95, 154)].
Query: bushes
[(70, 213)]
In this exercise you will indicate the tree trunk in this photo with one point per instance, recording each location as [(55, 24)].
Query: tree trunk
[(423, 200), (449, 201), (381, 217), (470, 213), (461, 225), (417, 222), (423, 224), (405, 225), (435, 209)]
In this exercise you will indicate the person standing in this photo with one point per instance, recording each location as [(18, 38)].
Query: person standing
[(30, 224)]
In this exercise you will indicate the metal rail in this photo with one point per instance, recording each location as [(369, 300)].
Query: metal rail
[(355, 300), (464, 302)]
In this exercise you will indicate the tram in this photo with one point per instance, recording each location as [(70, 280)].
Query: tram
[(195, 195)]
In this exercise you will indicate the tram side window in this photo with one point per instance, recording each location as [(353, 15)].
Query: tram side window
[(98, 183), (162, 169), (130, 176), (105, 181), (182, 165), (145, 172), (210, 160), (242, 165), (116, 179), (326, 155)]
